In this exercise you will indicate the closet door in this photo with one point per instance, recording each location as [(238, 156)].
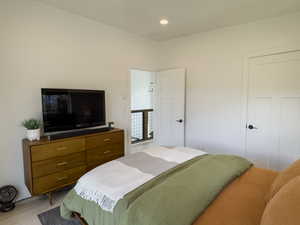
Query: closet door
[(273, 128)]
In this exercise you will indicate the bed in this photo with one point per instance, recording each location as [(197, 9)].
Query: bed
[(191, 192)]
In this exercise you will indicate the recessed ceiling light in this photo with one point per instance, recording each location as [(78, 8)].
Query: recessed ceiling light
[(164, 21)]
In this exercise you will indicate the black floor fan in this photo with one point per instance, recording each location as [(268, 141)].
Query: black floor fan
[(7, 196)]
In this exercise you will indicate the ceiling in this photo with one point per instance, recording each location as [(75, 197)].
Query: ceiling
[(185, 16)]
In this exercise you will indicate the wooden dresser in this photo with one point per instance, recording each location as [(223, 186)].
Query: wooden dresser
[(51, 165)]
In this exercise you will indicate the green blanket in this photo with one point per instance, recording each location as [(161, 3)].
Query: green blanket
[(176, 197)]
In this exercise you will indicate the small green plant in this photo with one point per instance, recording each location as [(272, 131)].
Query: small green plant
[(32, 124)]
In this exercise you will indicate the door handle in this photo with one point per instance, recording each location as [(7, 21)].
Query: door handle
[(179, 121), (251, 127)]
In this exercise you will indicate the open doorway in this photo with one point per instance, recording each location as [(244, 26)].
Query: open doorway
[(142, 105), (158, 107)]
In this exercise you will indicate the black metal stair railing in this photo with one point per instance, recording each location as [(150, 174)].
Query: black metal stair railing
[(142, 128)]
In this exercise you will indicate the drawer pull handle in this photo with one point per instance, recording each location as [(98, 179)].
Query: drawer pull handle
[(61, 178), (107, 139), (61, 148), (62, 164), (108, 151)]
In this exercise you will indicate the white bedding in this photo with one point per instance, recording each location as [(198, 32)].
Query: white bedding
[(110, 182)]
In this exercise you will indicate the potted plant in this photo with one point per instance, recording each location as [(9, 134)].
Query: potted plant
[(33, 129)]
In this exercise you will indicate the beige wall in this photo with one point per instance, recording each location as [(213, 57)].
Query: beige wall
[(214, 62), (44, 47)]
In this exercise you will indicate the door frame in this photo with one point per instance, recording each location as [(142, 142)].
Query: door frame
[(156, 94), (245, 83)]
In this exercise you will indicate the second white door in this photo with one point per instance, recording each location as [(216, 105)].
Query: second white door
[(273, 129)]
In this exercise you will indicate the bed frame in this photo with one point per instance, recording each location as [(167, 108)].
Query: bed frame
[(79, 218)]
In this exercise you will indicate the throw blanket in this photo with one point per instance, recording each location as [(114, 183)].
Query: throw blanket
[(176, 197), (107, 184)]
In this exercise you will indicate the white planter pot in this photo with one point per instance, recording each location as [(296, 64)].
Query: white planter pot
[(33, 135)]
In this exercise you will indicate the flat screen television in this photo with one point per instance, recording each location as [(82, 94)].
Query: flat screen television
[(66, 109)]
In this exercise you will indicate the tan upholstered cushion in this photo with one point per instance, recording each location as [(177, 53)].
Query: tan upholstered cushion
[(283, 178), (284, 207), (241, 202)]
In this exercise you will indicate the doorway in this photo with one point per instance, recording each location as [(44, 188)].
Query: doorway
[(142, 105), (158, 107)]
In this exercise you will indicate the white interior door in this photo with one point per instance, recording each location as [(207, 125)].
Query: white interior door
[(273, 128), (170, 108)]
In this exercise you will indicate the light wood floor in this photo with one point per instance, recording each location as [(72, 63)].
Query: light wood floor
[(26, 211)]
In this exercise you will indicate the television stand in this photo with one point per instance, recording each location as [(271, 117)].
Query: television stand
[(78, 133)]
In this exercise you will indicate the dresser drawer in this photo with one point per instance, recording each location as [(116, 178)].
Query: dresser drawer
[(104, 140), (47, 151), (99, 160), (51, 182), (98, 153), (46, 167)]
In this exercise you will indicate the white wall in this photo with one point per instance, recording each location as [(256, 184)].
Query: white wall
[(45, 47), (142, 89), (214, 62)]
